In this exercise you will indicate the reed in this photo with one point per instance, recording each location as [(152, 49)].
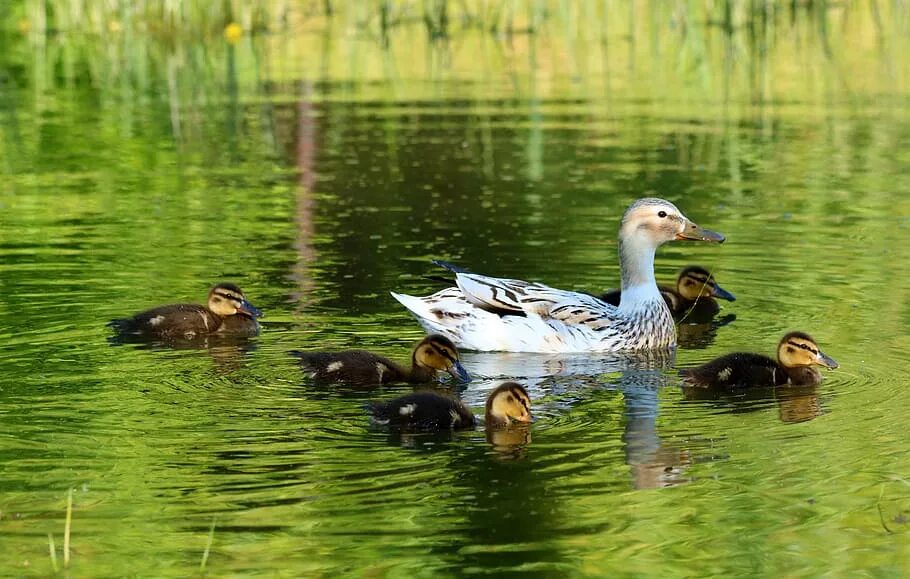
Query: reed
[(51, 545), (53, 551), (66, 529), (208, 547), (442, 19)]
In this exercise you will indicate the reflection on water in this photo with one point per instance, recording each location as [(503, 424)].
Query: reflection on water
[(795, 403), (226, 351), (798, 403), (699, 334), (320, 170)]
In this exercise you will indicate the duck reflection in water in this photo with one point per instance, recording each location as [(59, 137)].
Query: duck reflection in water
[(798, 403), (228, 352), (652, 462), (794, 403)]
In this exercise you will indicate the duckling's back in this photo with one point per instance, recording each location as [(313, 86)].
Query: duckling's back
[(738, 369), (173, 321), (239, 325), (423, 411), (356, 367)]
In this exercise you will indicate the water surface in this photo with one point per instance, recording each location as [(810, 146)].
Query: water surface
[(319, 170)]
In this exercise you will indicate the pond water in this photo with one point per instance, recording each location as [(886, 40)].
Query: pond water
[(321, 170)]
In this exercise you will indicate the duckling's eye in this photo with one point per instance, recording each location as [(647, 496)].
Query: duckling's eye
[(509, 398), (661, 214)]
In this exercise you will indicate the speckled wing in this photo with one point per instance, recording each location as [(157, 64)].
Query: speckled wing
[(492, 314), (524, 298), (352, 367), (185, 321)]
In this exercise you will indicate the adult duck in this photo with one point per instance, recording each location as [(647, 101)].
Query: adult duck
[(493, 314)]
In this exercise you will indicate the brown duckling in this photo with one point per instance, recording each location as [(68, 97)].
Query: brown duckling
[(227, 312), (797, 353), (694, 294), (507, 403), (433, 354)]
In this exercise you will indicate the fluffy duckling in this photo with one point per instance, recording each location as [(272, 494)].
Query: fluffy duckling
[(227, 312), (433, 354), (695, 293), (797, 353), (507, 403)]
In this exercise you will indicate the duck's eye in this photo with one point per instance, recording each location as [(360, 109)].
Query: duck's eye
[(661, 214)]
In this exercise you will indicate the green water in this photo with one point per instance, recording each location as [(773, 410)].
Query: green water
[(319, 170)]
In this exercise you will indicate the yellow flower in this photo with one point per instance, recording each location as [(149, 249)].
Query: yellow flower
[(233, 32)]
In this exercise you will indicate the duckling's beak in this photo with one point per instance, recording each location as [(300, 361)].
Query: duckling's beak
[(525, 419), (824, 360), (695, 233), (249, 309), (458, 372), (723, 294)]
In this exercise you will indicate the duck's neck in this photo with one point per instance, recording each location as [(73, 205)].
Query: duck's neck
[(803, 375), (494, 420), (636, 267), (418, 374)]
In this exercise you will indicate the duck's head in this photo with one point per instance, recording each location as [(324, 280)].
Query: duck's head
[(508, 403), (226, 299), (654, 221), (696, 282), (439, 353), (798, 349)]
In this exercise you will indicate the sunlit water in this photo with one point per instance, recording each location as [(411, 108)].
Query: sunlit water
[(319, 198)]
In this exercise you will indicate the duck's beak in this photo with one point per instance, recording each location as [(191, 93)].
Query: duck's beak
[(458, 372), (249, 309), (695, 233), (824, 360), (723, 294)]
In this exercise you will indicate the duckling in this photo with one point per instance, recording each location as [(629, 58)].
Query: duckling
[(797, 353), (358, 367), (427, 410), (227, 312), (507, 403), (694, 294)]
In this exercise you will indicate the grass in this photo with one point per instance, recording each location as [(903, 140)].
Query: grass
[(66, 536)]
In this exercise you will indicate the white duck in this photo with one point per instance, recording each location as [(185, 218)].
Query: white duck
[(493, 314)]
